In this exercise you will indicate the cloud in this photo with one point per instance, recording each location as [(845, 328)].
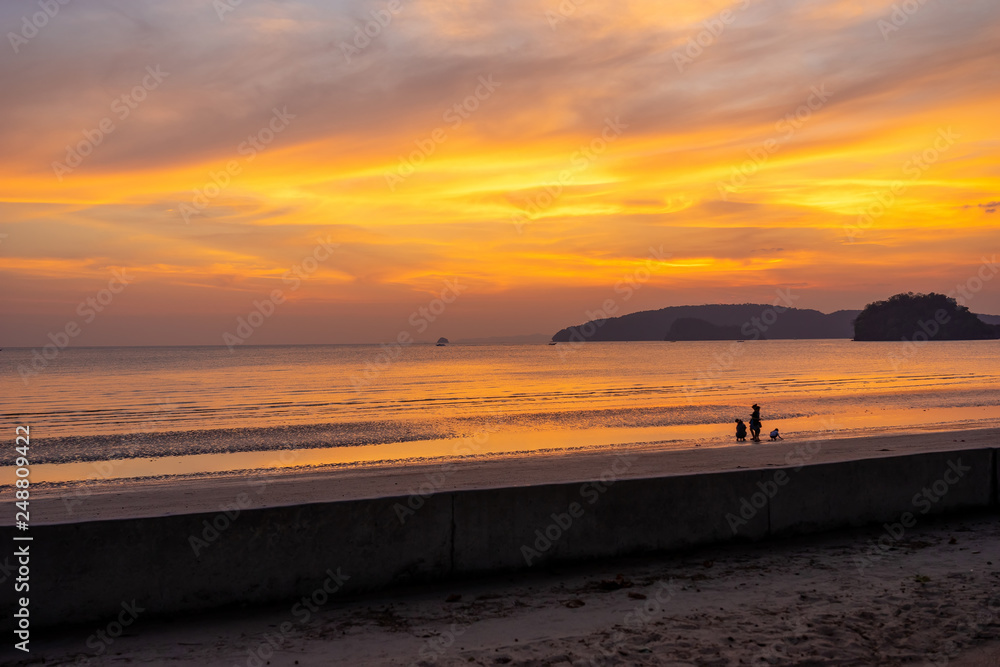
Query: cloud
[(681, 174)]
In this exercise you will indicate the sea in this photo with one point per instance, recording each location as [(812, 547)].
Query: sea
[(134, 412)]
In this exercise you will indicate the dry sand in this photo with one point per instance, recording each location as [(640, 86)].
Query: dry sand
[(933, 600), (113, 499)]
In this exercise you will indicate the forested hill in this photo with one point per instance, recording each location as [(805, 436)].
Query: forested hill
[(922, 317), (748, 321)]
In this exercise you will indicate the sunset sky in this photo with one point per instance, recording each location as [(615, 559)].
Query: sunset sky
[(531, 152)]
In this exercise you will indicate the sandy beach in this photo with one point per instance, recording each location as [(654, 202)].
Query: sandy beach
[(177, 495), (932, 600)]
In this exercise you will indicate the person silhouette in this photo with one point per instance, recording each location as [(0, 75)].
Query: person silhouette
[(741, 431), (775, 435), (755, 424)]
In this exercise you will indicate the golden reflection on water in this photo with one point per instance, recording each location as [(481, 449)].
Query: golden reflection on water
[(130, 390), (503, 443)]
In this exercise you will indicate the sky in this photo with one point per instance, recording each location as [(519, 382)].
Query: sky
[(360, 171)]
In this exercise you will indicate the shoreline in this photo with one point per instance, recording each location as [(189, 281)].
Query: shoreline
[(104, 500), (507, 433)]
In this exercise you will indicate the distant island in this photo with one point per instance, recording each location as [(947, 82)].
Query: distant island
[(912, 316), (746, 321), (692, 328), (754, 321)]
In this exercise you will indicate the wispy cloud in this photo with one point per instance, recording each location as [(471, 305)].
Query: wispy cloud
[(656, 184)]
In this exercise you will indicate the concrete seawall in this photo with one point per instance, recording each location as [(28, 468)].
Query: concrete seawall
[(84, 572)]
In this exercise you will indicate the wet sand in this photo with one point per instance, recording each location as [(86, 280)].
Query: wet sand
[(933, 599), (114, 499)]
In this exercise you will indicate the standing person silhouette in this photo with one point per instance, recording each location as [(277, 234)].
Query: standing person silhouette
[(755, 424)]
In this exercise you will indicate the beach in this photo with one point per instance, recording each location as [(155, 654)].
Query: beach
[(934, 599), (115, 499)]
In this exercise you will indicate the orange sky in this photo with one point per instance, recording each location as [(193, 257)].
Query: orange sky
[(532, 151)]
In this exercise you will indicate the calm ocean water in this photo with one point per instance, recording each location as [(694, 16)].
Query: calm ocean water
[(94, 403)]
